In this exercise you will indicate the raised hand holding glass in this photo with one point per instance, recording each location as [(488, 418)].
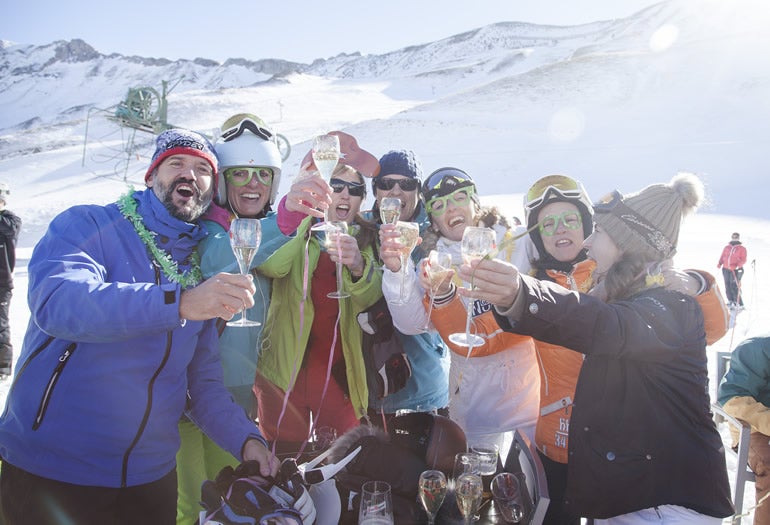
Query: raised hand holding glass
[(439, 268), (326, 155), (477, 243)]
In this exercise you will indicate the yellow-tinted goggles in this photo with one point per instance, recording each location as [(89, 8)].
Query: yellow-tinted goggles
[(559, 184), (242, 175)]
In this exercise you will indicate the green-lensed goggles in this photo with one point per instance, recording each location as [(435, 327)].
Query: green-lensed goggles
[(550, 223), (438, 205), (241, 176)]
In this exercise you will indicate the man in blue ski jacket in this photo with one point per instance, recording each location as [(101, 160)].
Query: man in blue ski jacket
[(121, 341)]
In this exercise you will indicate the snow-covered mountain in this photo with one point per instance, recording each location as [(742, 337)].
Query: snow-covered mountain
[(681, 85)]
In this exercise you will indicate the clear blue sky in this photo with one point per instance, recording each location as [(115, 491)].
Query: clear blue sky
[(297, 30)]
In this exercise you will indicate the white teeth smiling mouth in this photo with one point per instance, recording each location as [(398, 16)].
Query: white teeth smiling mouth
[(255, 196), (454, 221), (184, 189)]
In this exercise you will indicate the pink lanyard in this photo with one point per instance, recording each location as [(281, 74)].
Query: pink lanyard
[(295, 369)]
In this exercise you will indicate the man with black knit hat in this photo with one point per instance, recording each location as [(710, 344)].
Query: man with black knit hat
[(426, 389), (123, 342)]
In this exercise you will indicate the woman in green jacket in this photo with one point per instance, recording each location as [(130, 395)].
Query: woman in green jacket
[(311, 363)]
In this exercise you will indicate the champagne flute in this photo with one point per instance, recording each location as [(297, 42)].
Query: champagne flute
[(439, 270), (468, 494), (390, 210), (477, 242), (326, 154), (433, 487), (408, 233), (245, 236), (333, 231)]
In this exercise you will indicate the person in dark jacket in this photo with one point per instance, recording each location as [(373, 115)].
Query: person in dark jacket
[(10, 225), (643, 447), (121, 341)]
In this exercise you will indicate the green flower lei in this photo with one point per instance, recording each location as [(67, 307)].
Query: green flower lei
[(188, 279)]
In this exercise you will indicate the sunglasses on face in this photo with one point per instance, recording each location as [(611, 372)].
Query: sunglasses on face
[(389, 184), (246, 124), (547, 186), (241, 176), (438, 205), (355, 189), (550, 223)]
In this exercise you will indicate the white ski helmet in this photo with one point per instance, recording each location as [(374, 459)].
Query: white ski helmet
[(245, 140)]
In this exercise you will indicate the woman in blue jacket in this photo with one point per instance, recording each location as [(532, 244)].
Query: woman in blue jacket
[(248, 180)]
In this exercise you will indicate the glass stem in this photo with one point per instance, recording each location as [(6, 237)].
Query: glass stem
[(430, 310), (339, 276), (403, 279), (468, 320)]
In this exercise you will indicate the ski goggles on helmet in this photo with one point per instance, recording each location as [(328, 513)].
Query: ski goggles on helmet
[(242, 175), (258, 128), (406, 184), (438, 205), (444, 181), (546, 187), (550, 223), (355, 189), (614, 204)]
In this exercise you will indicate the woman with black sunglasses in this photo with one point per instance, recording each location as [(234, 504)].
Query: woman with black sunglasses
[(311, 366)]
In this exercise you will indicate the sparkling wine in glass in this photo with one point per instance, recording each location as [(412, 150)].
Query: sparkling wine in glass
[(432, 487), (326, 154), (390, 210), (409, 233), (468, 494), (333, 231), (477, 243), (245, 236), (439, 270)]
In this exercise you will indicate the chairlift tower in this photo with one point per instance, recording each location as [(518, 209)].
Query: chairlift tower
[(144, 109)]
